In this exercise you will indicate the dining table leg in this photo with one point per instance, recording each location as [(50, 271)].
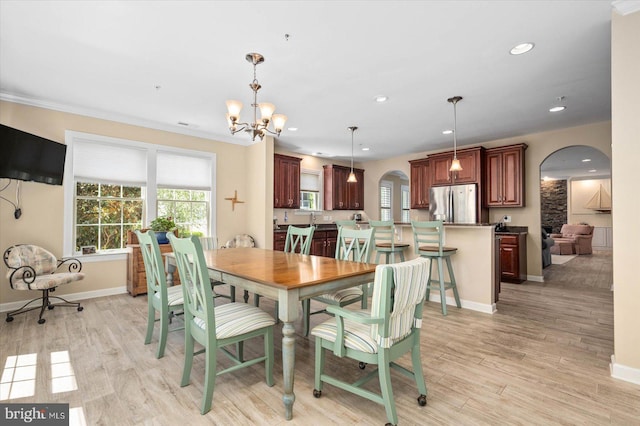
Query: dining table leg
[(288, 313)]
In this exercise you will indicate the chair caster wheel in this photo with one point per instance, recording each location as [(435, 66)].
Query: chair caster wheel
[(389, 424), (317, 393), (50, 307), (41, 321), (361, 365), (9, 319), (422, 400), (80, 308)]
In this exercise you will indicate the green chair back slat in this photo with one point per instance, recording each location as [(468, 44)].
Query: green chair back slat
[(298, 240)]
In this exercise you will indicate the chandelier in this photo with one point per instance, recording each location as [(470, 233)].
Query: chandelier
[(255, 128), (352, 176), (455, 163)]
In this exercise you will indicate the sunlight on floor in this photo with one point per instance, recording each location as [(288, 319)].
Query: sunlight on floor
[(18, 377), (63, 379)]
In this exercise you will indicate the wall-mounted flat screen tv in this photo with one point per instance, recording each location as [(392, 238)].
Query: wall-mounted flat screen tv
[(29, 157)]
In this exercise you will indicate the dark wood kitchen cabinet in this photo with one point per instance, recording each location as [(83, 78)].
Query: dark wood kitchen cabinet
[(505, 180), (420, 183), (470, 160), (286, 181), (340, 194), (324, 243), (513, 257)]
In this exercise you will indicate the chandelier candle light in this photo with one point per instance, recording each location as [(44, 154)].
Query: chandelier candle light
[(352, 176), (255, 128), (455, 163)]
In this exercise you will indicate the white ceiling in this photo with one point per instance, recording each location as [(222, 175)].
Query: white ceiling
[(105, 59)]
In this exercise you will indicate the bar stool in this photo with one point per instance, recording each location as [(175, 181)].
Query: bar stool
[(428, 239), (384, 238)]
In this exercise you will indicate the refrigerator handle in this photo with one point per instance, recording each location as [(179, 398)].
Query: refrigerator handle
[(450, 212)]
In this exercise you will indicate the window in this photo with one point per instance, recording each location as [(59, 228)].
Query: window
[(112, 186), (385, 200), (310, 186), (104, 213), (406, 204)]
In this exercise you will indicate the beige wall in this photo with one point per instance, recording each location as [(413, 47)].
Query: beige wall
[(42, 205), (625, 66)]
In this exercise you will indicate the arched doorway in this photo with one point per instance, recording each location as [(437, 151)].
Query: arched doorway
[(393, 197), (571, 179)]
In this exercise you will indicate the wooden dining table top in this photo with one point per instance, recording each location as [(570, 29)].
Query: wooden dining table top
[(283, 270)]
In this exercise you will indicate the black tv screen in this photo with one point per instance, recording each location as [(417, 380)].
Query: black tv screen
[(29, 157)]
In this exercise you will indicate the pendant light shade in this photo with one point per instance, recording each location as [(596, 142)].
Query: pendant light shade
[(352, 177), (455, 163)]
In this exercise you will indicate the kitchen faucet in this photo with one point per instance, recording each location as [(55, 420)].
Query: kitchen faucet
[(312, 219)]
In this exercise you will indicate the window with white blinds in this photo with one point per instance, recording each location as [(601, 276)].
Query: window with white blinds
[(106, 177), (386, 195), (310, 187), (406, 204)]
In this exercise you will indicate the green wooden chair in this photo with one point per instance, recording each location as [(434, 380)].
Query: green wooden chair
[(385, 241), (211, 243), (160, 298), (298, 240), (429, 242), (354, 245), (216, 327), (389, 331)]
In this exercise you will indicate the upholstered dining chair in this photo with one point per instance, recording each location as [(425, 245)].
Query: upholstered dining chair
[(380, 336), (166, 301), (32, 267), (216, 327), (354, 245)]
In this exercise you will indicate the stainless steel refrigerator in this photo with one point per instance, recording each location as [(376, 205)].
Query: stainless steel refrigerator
[(454, 203)]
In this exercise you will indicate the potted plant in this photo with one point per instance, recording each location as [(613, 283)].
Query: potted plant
[(162, 225)]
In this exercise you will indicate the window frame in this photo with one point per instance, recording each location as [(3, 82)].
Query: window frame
[(386, 184), (405, 191), (149, 213)]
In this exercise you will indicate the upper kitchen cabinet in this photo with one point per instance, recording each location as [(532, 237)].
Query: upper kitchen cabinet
[(420, 183), (340, 194), (470, 160), (286, 181), (505, 176)]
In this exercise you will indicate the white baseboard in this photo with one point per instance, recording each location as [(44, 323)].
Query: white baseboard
[(466, 304), (11, 306), (536, 278), (623, 372)]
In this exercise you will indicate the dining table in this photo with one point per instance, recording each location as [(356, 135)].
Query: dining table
[(286, 277)]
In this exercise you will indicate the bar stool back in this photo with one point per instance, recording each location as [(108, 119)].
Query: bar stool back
[(428, 240), (385, 243)]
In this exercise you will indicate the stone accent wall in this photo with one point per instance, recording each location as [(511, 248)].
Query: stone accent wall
[(553, 204)]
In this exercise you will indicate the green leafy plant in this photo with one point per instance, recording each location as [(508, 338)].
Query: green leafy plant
[(162, 224)]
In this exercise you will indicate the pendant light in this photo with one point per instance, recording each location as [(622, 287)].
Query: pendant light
[(352, 176), (455, 163)]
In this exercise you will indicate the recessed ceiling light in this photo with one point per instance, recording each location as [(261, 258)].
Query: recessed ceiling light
[(521, 48), (557, 108), (586, 160), (447, 132), (592, 171), (316, 153), (381, 98), (292, 129), (365, 148)]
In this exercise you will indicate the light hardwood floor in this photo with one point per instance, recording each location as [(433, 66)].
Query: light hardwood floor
[(543, 358)]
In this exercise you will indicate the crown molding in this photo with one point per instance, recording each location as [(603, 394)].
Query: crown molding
[(625, 7), (120, 118)]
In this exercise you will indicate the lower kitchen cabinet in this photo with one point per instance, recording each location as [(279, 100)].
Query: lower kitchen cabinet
[(513, 257), (324, 243)]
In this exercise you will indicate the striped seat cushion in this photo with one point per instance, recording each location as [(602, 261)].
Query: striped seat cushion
[(356, 336), (174, 296), (344, 295), (44, 282), (234, 319)]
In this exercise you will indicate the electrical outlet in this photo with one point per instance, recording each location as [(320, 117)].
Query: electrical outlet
[(325, 218), (506, 219)]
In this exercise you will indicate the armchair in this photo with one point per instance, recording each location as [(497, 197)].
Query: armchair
[(34, 268), (573, 239), (388, 332)]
